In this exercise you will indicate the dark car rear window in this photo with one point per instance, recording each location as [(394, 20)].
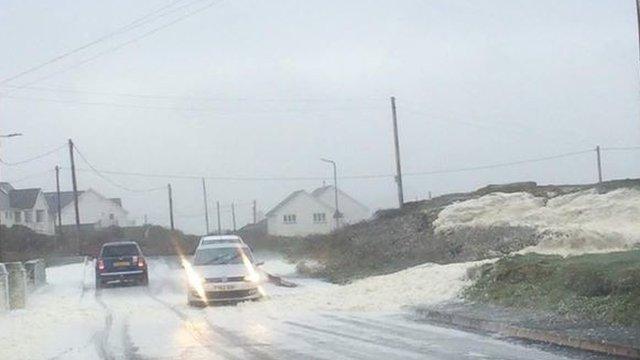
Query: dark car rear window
[(120, 250)]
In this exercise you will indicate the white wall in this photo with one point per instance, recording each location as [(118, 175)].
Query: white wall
[(95, 209), (303, 206), (351, 210), (46, 226)]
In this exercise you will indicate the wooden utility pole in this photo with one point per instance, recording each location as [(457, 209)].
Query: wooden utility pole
[(255, 214), (396, 143), (638, 22), (218, 212), (170, 206), (74, 183), (599, 159), (233, 216), (59, 206), (206, 206)]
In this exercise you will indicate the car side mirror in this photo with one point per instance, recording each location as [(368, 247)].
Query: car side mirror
[(260, 263)]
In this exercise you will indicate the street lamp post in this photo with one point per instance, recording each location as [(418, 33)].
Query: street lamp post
[(7, 136), (3, 137), (337, 214)]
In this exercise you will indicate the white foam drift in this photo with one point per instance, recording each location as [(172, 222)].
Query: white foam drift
[(580, 222)]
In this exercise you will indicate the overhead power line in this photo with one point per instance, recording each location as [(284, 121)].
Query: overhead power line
[(37, 175), (101, 173), (347, 177), (33, 158), (168, 108), (199, 177), (141, 21), (107, 179), (176, 97), (124, 44), (504, 164), (623, 148)]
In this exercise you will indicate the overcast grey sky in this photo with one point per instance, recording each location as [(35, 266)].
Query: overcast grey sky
[(287, 82)]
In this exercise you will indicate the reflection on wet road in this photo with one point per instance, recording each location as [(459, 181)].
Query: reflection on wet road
[(156, 323)]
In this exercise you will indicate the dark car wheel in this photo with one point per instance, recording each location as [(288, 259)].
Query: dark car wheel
[(145, 280), (196, 303), (99, 284)]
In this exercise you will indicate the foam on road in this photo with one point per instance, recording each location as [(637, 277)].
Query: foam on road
[(316, 320)]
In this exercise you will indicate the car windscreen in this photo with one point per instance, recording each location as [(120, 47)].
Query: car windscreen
[(120, 250), (221, 256), (220, 241)]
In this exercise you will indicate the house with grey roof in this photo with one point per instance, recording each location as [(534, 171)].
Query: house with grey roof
[(95, 209), (26, 207), (302, 213)]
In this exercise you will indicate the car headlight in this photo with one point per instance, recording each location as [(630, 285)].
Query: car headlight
[(254, 277)]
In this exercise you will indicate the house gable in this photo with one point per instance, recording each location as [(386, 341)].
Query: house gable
[(351, 209), (66, 199), (23, 198), (298, 216), (95, 209)]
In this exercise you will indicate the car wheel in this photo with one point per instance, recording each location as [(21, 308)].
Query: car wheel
[(98, 284), (196, 303), (145, 280)]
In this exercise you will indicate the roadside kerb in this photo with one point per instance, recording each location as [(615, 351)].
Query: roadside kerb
[(504, 329), (17, 285)]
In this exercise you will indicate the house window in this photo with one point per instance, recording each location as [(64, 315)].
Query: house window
[(111, 216), (28, 216), (39, 216), (289, 219), (18, 216), (7, 214), (319, 218)]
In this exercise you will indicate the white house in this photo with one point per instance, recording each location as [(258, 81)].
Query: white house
[(26, 207), (302, 213), (94, 209)]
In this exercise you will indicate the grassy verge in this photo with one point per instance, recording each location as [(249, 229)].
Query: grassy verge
[(603, 287)]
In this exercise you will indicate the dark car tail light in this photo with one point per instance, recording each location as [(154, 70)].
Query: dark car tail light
[(141, 263), (100, 264)]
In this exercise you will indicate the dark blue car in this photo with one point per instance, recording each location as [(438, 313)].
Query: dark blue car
[(121, 262)]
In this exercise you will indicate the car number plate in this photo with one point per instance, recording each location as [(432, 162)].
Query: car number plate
[(121, 263), (223, 287)]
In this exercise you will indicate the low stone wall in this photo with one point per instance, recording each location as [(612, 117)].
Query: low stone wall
[(17, 278), (4, 289), (17, 285), (36, 274)]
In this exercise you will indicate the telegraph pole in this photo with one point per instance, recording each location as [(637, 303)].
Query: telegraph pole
[(206, 206), (59, 208), (599, 159), (233, 216), (396, 143), (170, 206), (218, 212), (255, 215), (638, 22), (74, 182)]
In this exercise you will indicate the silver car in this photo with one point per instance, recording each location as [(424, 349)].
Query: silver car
[(223, 273)]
